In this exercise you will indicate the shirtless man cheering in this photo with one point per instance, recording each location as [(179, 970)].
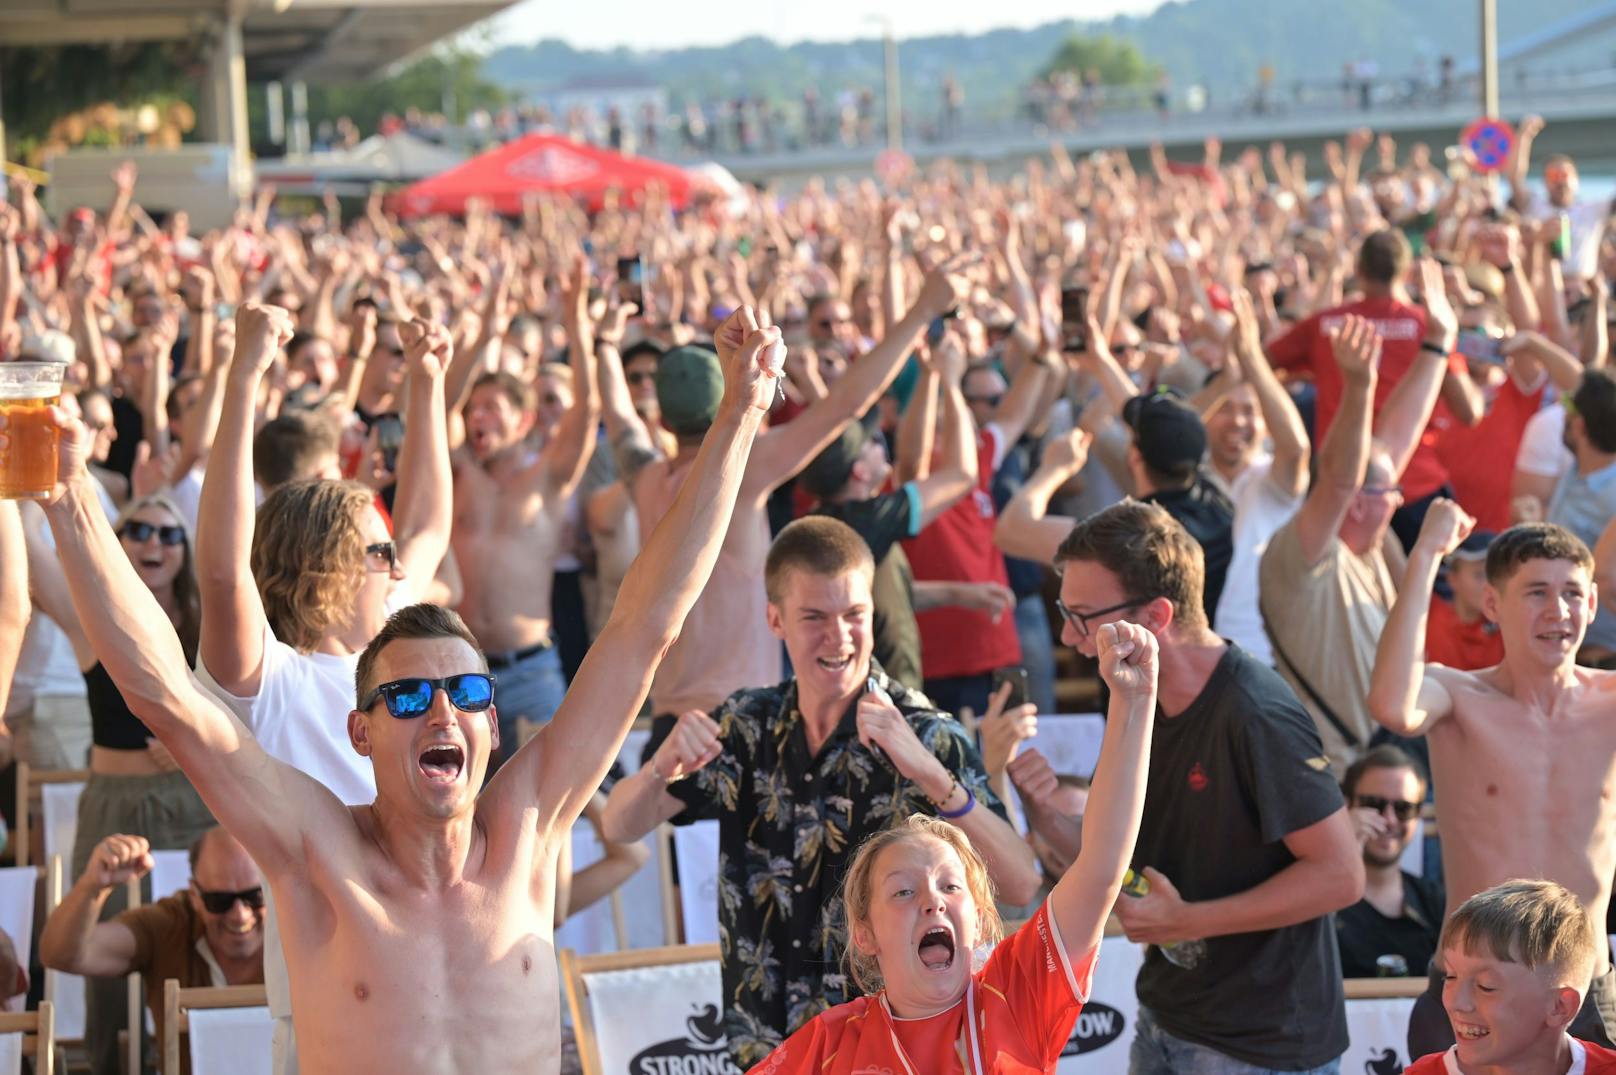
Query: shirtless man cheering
[(419, 928), (726, 644), (510, 503), (1523, 754)]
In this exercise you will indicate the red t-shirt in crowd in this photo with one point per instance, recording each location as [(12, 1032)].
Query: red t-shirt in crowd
[(1016, 1017), (958, 547), (1480, 459), (1586, 1059), (1465, 646), (1306, 349)]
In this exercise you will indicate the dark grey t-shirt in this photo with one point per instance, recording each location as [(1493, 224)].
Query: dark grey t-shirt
[(1230, 778)]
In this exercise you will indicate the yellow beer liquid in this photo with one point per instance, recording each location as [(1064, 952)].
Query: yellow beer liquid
[(28, 462)]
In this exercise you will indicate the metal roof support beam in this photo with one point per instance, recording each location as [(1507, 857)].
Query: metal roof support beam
[(224, 97)]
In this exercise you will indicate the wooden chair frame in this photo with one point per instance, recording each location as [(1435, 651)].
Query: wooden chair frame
[(1385, 988), (29, 796), (37, 1028), (574, 967), (179, 1003)]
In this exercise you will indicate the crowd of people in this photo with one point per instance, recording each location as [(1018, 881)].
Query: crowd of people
[(371, 541)]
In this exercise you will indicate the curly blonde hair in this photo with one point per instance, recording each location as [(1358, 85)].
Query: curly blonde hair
[(858, 889), (308, 556)]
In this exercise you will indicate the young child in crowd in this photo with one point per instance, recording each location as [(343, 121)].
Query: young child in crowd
[(918, 902), (1458, 633), (1519, 958)]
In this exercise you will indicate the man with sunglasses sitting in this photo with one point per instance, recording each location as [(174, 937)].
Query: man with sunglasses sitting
[(1393, 930), (211, 934), (418, 929)]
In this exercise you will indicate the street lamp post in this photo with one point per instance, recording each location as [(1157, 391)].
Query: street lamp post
[(891, 88), (1489, 58)]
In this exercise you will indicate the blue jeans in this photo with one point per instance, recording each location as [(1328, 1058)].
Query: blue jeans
[(1156, 1052), (531, 689)]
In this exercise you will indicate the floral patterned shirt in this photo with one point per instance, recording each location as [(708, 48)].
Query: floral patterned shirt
[(788, 826)]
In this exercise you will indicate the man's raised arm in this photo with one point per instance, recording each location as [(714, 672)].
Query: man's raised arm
[(568, 758), (1403, 697), (232, 647), (423, 510), (267, 805), (788, 449)]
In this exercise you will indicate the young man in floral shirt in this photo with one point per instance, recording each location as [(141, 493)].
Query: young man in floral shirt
[(798, 774)]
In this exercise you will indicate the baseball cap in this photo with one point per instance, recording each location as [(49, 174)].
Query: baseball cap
[(689, 384), (830, 469), (1168, 432), (1473, 547)]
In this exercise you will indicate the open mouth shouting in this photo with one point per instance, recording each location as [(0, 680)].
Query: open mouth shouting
[(936, 949), (442, 763), (835, 665)]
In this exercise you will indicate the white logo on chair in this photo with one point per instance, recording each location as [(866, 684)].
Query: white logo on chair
[(552, 164)]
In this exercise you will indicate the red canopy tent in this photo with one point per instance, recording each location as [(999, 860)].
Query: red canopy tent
[(542, 163)]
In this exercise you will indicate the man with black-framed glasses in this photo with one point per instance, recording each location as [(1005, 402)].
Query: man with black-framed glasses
[(209, 934), (1245, 842)]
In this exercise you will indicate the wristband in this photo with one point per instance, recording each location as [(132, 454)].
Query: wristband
[(1435, 349), (970, 802), (656, 773), (1507, 267)]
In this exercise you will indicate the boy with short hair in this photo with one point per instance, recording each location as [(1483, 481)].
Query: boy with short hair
[(1519, 956), (1459, 634)]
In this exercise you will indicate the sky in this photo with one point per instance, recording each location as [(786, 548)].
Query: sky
[(661, 24)]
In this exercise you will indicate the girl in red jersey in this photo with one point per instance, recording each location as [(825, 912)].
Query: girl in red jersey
[(919, 901)]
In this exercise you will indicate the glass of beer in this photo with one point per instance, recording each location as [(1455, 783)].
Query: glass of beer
[(28, 462)]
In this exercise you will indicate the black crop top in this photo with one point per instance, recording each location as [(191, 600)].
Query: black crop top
[(111, 723)]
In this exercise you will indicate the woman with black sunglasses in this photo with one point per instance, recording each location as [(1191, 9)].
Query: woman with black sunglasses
[(134, 786)]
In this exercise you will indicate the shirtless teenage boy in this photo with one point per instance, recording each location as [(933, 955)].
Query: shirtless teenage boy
[(1523, 754), (726, 644), (419, 929)]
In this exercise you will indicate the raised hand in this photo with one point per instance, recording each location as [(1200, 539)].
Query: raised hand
[(1068, 454), (1441, 323), (1445, 527), (119, 859), (1127, 654), (745, 345), (261, 332), (1033, 777), (947, 285), (949, 359), (1355, 343), (692, 744), (1004, 730), (428, 347)]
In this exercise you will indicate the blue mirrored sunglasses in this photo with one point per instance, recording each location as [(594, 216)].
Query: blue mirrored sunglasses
[(470, 692)]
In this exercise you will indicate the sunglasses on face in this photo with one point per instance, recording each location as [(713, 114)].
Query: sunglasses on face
[(1081, 620), (224, 902), (383, 551), (469, 692), (1402, 809), (140, 533)]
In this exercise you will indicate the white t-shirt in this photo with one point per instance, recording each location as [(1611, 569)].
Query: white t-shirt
[(300, 716), (1587, 220), (1543, 452), (1260, 509)]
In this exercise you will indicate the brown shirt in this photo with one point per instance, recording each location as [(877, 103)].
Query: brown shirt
[(168, 944)]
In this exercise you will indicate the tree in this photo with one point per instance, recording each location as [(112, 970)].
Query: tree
[(446, 80), (1118, 62)]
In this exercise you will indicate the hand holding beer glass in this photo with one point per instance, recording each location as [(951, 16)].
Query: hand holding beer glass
[(28, 433)]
